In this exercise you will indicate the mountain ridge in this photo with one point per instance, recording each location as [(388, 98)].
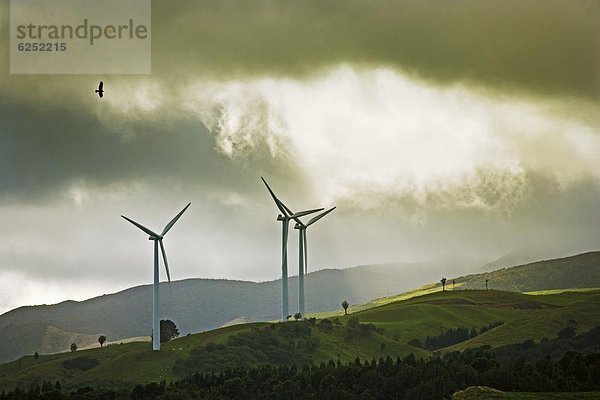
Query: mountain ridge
[(127, 313)]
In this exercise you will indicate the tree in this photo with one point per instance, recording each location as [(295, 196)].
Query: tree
[(73, 347), (36, 356), (297, 316), (486, 284), (101, 340), (168, 330), (453, 283), (443, 281), (345, 305)]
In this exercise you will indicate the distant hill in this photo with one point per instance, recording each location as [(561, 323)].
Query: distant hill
[(197, 305), (382, 331), (580, 271), (576, 272), (510, 260)]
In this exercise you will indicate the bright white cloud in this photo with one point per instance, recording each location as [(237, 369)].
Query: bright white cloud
[(360, 133), (368, 138)]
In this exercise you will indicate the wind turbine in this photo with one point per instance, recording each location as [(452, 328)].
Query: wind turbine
[(158, 240), (285, 217), (303, 255)]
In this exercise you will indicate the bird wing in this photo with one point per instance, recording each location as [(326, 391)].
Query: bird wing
[(101, 85)]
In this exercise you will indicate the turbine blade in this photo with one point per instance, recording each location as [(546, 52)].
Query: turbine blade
[(284, 210), (303, 213), (170, 224), (164, 254), (298, 221), (142, 227), (289, 212), (318, 217)]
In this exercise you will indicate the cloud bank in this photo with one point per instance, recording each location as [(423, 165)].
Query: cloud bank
[(439, 129), (367, 137)]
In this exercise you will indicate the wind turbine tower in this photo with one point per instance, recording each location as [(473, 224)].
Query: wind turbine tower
[(158, 241), (285, 217), (303, 256)]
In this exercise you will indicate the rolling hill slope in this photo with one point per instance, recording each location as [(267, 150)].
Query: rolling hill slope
[(579, 271), (128, 313), (572, 274), (196, 305), (524, 316), (127, 364), (372, 333)]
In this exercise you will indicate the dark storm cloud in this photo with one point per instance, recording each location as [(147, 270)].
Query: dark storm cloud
[(43, 150), (264, 72), (547, 47)]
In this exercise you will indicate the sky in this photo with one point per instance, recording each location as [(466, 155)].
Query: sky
[(462, 130)]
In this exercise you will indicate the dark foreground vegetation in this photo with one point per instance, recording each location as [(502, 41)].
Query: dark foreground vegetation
[(407, 378)]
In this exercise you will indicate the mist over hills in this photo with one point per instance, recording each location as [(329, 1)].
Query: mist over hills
[(200, 304)]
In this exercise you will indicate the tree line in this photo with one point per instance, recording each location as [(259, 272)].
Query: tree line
[(569, 362), (405, 378)]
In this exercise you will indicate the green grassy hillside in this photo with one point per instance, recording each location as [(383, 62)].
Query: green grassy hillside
[(574, 274), (524, 316), (580, 271), (372, 333), (543, 323), (129, 313), (120, 364), (240, 345)]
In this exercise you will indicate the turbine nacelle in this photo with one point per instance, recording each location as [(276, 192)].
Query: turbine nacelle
[(286, 213), (159, 237)]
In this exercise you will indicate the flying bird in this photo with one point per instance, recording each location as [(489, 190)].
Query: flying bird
[(100, 89)]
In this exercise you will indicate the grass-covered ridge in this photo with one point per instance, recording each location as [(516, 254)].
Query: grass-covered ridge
[(248, 345), (576, 272), (372, 333), (524, 316), (123, 315)]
